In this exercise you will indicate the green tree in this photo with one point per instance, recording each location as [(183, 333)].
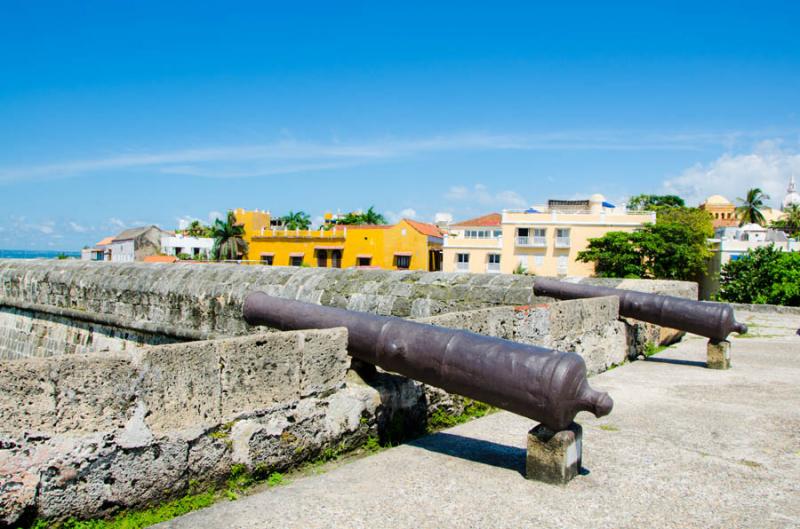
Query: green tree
[(368, 217), (372, 217), (296, 220), (654, 202), (228, 239), (675, 247), (762, 275), (615, 254), (749, 211), (790, 223)]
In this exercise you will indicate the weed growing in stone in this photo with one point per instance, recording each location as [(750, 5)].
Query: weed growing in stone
[(473, 409)]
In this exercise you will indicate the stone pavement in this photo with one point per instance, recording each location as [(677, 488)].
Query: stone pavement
[(684, 447)]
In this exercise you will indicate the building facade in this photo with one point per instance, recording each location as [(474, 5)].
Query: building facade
[(475, 245), (194, 247), (544, 240), (407, 245)]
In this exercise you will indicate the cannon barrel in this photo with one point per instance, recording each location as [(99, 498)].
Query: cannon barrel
[(544, 385), (713, 320)]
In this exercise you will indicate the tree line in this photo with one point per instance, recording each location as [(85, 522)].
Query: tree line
[(676, 247)]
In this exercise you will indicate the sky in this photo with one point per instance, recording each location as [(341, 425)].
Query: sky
[(116, 114)]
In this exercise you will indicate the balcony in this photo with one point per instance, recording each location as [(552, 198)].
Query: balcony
[(532, 242), (562, 242), (493, 268), (462, 267)]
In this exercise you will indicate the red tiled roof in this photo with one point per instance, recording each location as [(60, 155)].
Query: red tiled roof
[(160, 259), (492, 219), (425, 228)]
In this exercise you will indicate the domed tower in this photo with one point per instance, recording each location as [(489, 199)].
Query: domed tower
[(792, 196)]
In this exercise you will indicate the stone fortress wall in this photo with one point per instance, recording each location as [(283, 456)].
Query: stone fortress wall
[(123, 382)]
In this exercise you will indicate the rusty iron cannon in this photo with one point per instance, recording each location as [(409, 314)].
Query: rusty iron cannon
[(713, 320), (544, 385)]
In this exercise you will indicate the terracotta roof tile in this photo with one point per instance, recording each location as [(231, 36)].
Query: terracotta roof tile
[(425, 228), (492, 219), (160, 259)]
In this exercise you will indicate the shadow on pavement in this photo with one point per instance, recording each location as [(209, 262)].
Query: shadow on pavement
[(675, 361), (478, 450)]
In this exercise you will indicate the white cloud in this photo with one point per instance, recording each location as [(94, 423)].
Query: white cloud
[(214, 215), (77, 227), (481, 195), (117, 223), (47, 227), (407, 213), (291, 156), (768, 167)]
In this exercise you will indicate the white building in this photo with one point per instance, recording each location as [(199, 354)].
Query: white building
[(732, 243), (136, 243), (182, 244)]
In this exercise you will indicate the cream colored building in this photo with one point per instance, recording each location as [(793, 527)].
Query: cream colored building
[(474, 245), (544, 240)]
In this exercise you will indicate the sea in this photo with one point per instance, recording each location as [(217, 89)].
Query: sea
[(37, 254)]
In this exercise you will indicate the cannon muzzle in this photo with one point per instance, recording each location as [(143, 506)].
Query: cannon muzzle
[(713, 320), (544, 385)]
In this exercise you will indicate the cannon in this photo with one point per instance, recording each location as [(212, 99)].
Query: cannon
[(544, 385), (712, 320)]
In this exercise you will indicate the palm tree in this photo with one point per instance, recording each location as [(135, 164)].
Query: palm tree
[(228, 241), (372, 217), (296, 221), (750, 210), (790, 223)]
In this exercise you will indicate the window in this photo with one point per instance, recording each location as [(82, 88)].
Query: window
[(482, 234), (364, 261), (336, 259), (562, 238), (462, 261), (402, 261), (540, 237), (522, 237), (322, 258), (266, 260), (494, 262), (296, 260)]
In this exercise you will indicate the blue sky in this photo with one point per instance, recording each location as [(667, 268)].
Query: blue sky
[(119, 113)]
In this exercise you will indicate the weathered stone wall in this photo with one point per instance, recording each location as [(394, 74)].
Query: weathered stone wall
[(208, 298), (85, 435), (589, 327), (28, 334)]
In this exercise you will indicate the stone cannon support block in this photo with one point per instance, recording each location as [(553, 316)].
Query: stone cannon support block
[(258, 372), (576, 316), (93, 393), (324, 361), (75, 393), (554, 457), (496, 321), (719, 354), (180, 385), (27, 396)]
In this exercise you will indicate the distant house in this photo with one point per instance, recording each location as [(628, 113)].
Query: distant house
[(137, 243), (182, 244), (100, 252)]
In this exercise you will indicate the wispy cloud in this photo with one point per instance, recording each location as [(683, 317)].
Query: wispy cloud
[(396, 216), (77, 227), (768, 167), (481, 195), (290, 156)]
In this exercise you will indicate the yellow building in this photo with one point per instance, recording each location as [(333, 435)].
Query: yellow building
[(722, 211), (544, 240), (407, 245)]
